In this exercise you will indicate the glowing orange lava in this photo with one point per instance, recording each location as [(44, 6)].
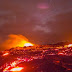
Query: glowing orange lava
[(13, 64), (28, 44), (70, 45), (5, 54), (6, 69), (17, 69)]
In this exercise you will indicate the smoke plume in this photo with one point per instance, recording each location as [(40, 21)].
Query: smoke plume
[(14, 41)]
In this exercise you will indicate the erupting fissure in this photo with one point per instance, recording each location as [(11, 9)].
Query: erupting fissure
[(16, 41)]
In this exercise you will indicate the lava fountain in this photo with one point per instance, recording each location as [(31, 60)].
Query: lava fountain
[(16, 41)]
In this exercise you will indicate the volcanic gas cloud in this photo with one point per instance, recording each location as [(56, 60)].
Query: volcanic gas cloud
[(16, 41)]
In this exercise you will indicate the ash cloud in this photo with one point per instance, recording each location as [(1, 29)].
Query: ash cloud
[(14, 41)]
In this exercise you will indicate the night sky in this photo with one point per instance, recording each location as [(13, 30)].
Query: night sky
[(41, 21)]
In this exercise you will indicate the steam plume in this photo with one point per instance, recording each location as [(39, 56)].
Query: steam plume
[(14, 41)]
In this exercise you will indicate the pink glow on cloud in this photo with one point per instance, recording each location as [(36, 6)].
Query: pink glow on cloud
[(42, 6)]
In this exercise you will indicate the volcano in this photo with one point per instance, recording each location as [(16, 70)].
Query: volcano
[(39, 58)]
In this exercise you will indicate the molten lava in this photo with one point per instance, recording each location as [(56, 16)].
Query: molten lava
[(28, 44), (17, 69), (70, 45), (13, 64), (5, 54)]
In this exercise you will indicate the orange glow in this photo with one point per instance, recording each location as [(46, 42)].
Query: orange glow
[(70, 45), (60, 53), (13, 64), (6, 68), (17, 69), (5, 54), (16, 41), (28, 44)]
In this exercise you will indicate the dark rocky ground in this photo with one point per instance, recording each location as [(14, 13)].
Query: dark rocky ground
[(44, 60)]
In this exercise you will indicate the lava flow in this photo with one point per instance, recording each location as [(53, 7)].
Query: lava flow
[(36, 58), (28, 44), (17, 69), (5, 54)]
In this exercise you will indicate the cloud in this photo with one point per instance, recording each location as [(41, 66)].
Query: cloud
[(42, 5), (14, 41), (35, 23), (6, 17), (4, 12), (41, 28)]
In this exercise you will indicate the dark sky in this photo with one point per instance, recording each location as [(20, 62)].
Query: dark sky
[(41, 21)]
